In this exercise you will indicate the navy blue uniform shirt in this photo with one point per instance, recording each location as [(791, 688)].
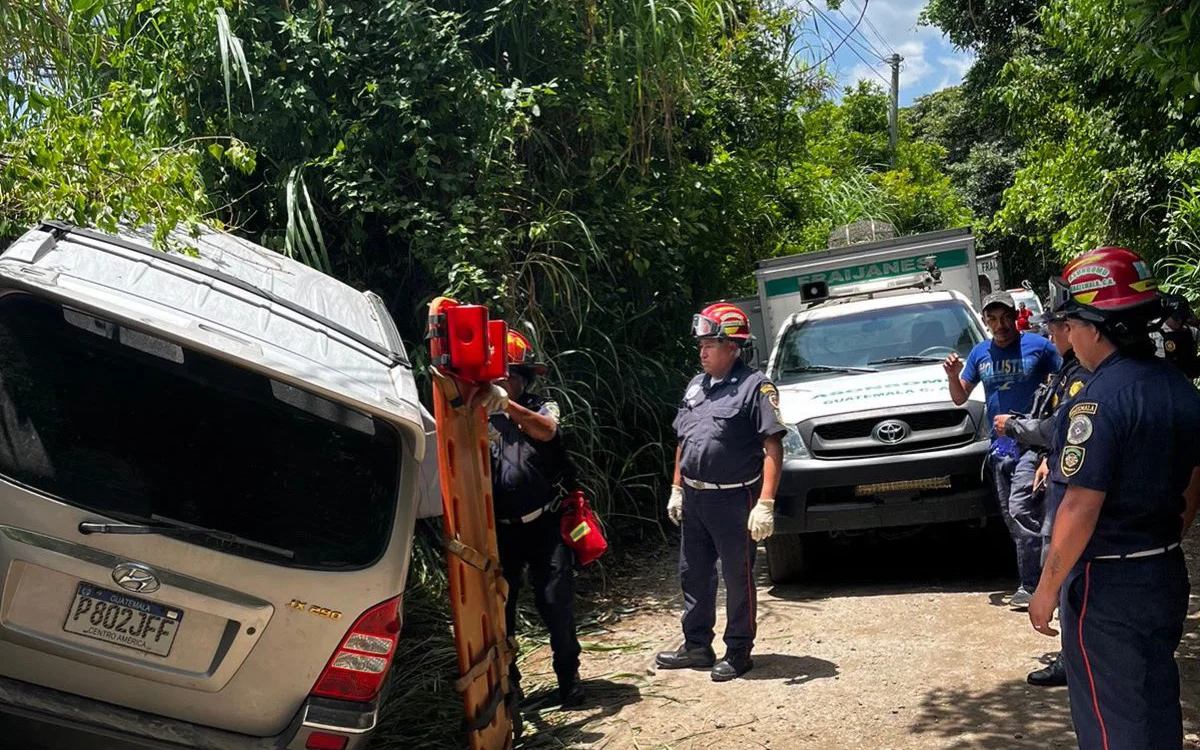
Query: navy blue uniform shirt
[(1133, 432), (1060, 387), (722, 426), (1066, 384), (526, 473)]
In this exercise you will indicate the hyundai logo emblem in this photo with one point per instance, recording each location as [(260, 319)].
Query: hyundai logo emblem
[(891, 432), (136, 578)]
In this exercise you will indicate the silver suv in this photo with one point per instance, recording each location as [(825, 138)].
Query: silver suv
[(208, 483)]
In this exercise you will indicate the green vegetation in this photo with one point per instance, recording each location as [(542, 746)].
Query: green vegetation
[(593, 170), (1078, 126)]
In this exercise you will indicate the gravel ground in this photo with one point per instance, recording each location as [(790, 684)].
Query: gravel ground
[(906, 644)]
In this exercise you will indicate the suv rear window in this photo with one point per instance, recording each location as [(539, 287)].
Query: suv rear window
[(139, 429)]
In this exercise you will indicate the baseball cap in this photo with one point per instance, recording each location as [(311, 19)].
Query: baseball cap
[(999, 298)]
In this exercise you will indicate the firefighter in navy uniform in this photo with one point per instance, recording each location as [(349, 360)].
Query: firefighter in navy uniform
[(727, 468), (1035, 433), (530, 471), (1127, 465), (1177, 337)]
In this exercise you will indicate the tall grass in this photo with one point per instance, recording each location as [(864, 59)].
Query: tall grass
[(650, 52), (423, 710), (1180, 270)]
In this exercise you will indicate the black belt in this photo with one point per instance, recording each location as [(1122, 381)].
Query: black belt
[(532, 516)]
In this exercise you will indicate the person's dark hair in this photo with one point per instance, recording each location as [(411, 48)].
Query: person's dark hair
[(527, 374), (1134, 345), (1129, 331)]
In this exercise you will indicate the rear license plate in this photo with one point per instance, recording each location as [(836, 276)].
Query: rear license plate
[(123, 620)]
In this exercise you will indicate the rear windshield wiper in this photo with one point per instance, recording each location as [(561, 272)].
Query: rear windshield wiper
[(172, 528), (827, 368), (905, 358)]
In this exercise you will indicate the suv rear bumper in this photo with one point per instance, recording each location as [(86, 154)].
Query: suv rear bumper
[(48, 719), (818, 495)]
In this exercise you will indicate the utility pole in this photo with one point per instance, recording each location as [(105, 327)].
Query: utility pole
[(893, 113)]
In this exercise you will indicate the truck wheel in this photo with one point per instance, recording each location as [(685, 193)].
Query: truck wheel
[(787, 558)]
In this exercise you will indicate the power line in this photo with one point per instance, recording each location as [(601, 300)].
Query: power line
[(869, 46), (847, 37), (875, 31), (855, 40), (850, 35), (833, 52), (868, 49)]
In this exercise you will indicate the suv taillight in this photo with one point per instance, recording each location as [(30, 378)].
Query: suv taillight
[(360, 665)]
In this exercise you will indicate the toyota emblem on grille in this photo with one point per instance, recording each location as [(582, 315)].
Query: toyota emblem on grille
[(136, 578), (891, 432)]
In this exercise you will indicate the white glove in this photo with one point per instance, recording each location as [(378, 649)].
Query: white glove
[(675, 504), (762, 519), (492, 398)]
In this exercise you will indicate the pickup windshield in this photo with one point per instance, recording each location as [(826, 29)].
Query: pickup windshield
[(921, 333), (138, 429)]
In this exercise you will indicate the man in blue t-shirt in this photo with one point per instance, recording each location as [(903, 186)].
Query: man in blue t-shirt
[(1011, 366)]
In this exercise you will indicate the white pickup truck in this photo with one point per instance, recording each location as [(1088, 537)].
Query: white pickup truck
[(874, 441)]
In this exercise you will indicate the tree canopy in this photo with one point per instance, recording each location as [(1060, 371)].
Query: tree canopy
[(1082, 120)]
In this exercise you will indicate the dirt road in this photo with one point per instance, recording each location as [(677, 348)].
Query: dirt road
[(901, 645)]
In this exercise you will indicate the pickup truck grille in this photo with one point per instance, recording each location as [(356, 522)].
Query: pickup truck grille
[(909, 446), (926, 430), (917, 422)]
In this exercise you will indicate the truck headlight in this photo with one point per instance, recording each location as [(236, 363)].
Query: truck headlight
[(793, 444)]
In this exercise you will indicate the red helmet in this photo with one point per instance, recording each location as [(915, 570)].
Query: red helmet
[(721, 321), (1103, 282), (518, 352)]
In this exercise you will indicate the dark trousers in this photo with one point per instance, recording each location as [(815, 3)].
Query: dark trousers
[(714, 528), (538, 545), (1121, 623), (1022, 511)]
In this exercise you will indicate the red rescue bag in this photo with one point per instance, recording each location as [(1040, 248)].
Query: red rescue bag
[(580, 529)]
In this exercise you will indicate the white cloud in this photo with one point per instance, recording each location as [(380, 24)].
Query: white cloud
[(957, 65)]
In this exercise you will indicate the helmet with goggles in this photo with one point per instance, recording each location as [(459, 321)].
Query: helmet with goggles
[(721, 321)]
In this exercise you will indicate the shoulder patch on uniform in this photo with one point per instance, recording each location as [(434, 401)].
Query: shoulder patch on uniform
[(1084, 407), (1075, 387), (1072, 460), (553, 409), (771, 392), (1079, 430)]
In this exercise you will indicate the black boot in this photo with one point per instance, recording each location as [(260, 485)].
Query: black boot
[(732, 667), (1053, 674), (686, 657), (570, 692), (513, 702)]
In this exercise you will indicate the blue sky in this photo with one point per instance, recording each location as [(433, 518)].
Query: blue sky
[(930, 61)]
